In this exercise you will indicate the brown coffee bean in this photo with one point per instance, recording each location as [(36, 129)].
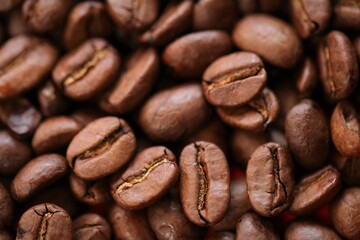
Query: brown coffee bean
[(204, 183), (315, 190), (16, 24), (13, 153), (51, 101), (101, 148), (252, 226), (221, 236), (349, 168), (24, 61), (338, 67), (90, 192), (91, 226), (239, 205), (252, 33), (189, 55), (309, 230), (44, 221), (37, 174), (54, 134), (87, 70), (173, 22), (234, 79), (345, 129), (45, 15), (87, 20), (270, 179), (7, 209), (175, 113), (155, 166), (306, 130), (209, 15), (255, 116), (347, 14), (306, 78), (345, 213), (251, 6), (133, 15), (141, 71), (20, 116), (310, 17), (130, 225)]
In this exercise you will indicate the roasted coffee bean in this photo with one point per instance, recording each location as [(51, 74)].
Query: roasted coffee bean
[(239, 205), (133, 15), (315, 190), (87, 20), (101, 148), (130, 225), (16, 24), (306, 78), (174, 21), (349, 168), (90, 192), (6, 207), (345, 213), (338, 66), (20, 116), (204, 183), (345, 129), (155, 166), (251, 6), (255, 116), (270, 179), (54, 134), (201, 48), (45, 15), (13, 153), (141, 71), (168, 221), (37, 174), (252, 226), (347, 14), (24, 61), (44, 221), (252, 33), (234, 79), (309, 230), (51, 100), (306, 130), (175, 113), (91, 226), (209, 15), (7, 5), (222, 236), (87, 70), (310, 17)]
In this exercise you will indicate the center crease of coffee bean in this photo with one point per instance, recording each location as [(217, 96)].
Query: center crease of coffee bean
[(329, 71), (260, 106), (299, 6)]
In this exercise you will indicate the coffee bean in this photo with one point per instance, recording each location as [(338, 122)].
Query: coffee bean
[(16, 24), (252, 226), (255, 116), (315, 190), (14, 153), (87, 70), (91, 226), (338, 67), (51, 100), (349, 168), (155, 166), (345, 129), (204, 183), (347, 14), (306, 78), (252, 34), (306, 130), (234, 79), (128, 224), (201, 48), (55, 133), (270, 179), (345, 213), (87, 20), (7, 208), (174, 21), (24, 61), (308, 230), (101, 148), (175, 113), (134, 15), (221, 236), (44, 221), (37, 174), (310, 17), (141, 71)]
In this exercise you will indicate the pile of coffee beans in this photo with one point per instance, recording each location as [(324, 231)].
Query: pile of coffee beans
[(179, 119)]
